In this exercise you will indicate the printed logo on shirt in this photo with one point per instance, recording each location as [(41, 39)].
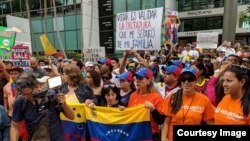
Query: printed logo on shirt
[(229, 115), (198, 109)]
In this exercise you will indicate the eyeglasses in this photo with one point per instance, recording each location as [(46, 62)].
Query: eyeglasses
[(189, 79), (109, 85), (104, 77), (139, 77)]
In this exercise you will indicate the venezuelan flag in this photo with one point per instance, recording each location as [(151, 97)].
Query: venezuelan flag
[(75, 130), (131, 124)]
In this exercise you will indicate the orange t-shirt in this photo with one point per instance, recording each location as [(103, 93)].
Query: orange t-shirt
[(195, 108), (229, 111), (155, 98)]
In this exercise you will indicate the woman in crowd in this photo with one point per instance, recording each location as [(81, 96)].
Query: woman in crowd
[(186, 106), (127, 87), (146, 94), (93, 79), (235, 106), (110, 95), (75, 88), (201, 75)]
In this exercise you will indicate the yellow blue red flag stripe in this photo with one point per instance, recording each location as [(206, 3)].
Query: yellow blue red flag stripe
[(131, 124), (75, 130)]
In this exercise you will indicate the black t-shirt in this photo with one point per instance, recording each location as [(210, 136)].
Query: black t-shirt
[(3, 82), (25, 110)]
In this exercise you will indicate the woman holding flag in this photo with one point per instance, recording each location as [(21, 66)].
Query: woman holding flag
[(146, 94)]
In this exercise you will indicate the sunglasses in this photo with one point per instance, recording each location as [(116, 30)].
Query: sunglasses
[(139, 77), (109, 85), (105, 78), (189, 79)]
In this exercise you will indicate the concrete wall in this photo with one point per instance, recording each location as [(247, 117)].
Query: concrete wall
[(90, 29)]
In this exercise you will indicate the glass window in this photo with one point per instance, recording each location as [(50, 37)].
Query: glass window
[(78, 21), (119, 6), (38, 43), (160, 3), (187, 25), (147, 4), (214, 23), (79, 40), (51, 38), (16, 6), (134, 5), (50, 25), (199, 24), (37, 26), (70, 22), (71, 40), (57, 43)]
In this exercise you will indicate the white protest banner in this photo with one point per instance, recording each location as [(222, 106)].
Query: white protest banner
[(93, 54), (207, 40), (139, 30)]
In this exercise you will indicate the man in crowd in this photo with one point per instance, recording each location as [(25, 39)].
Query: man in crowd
[(42, 122)]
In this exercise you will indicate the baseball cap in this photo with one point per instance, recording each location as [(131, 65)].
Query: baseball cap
[(188, 44), (189, 70), (126, 76), (104, 61), (89, 64), (177, 63), (153, 69), (15, 69), (144, 72), (172, 69), (43, 79)]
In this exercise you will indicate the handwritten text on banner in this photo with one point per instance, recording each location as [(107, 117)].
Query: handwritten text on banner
[(139, 30)]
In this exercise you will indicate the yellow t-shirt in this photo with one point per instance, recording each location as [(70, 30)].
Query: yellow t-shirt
[(71, 98)]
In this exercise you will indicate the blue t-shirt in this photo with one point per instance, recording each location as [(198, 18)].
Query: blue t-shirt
[(25, 110)]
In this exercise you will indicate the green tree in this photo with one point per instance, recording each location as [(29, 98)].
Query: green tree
[(245, 16)]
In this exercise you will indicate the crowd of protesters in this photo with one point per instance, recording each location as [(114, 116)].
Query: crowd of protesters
[(179, 85)]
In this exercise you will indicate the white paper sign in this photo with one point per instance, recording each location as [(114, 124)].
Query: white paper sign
[(207, 40), (139, 30), (93, 54)]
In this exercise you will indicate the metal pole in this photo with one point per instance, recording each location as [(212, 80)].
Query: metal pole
[(57, 31)]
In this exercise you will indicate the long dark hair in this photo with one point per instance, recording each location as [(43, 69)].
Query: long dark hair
[(243, 73), (176, 101)]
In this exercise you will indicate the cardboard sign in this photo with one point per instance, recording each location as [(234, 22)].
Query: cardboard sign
[(93, 54), (20, 56), (139, 30), (207, 40)]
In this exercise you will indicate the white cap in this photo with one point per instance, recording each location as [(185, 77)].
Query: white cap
[(43, 79), (222, 49), (88, 64)]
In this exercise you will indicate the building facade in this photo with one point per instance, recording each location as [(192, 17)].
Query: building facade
[(75, 20), (81, 23), (207, 16)]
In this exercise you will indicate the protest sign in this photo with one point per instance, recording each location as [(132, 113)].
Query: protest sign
[(207, 40), (7, 40), (93, 54), (139, 30), (20, 56)]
